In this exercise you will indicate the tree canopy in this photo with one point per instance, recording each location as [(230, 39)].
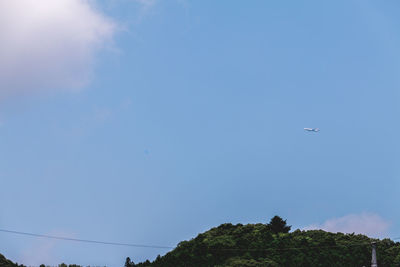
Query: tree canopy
[(6, 263), (278, 225), (271, 244)]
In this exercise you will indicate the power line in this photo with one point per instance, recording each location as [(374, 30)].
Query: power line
[(168, 247), (84, 240)]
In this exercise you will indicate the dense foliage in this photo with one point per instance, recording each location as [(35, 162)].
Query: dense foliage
[(256, 245), (6, 263), (272, 245)]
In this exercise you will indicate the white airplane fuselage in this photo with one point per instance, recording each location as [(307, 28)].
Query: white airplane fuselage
[(311, 129)]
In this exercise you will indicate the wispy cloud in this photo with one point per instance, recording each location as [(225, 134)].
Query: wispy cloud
[(50, 45), (42, 250), (369, 224), (145, 6)]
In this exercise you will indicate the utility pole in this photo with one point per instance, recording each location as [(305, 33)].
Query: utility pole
[(374, 262)]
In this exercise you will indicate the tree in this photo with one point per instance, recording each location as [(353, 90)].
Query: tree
[(129, 263), (278, 225)]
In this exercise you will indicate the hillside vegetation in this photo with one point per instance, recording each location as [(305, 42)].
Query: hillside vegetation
[(272, 245), (6, 263)]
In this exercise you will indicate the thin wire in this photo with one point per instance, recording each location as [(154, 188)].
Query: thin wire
[(84, 240), (167, 247)]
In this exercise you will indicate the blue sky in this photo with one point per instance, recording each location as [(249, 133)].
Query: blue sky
[(151, 121)]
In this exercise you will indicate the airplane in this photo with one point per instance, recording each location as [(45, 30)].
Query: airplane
[(311, 129)]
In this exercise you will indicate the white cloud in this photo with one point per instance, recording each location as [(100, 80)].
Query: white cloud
[(369, 224), (49, 44), (43, 250)]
